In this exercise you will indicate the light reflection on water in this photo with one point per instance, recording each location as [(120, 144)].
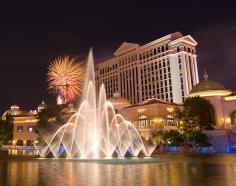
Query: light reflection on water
[(173, 170)]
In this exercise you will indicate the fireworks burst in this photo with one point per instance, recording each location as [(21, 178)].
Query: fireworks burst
[(65, 77)]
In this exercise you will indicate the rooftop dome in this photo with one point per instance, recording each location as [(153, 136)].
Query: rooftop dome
[(118, 102), (14, 111), (42, 106), (210, 87)]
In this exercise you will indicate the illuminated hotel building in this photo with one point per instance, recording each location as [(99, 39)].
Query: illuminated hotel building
[(165, 69)]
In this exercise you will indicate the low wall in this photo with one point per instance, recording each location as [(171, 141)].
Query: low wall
[(222, 140)]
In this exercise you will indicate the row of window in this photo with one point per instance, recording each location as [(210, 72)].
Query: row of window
[(108, 69), (111, 84), (129, 82), (144, 55), (133, 57), (127, 59), (21, 129), (154, 51), (144, 122), (157, 82), (186, 49)]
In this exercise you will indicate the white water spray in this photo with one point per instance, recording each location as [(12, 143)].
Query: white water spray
[(95, 130)]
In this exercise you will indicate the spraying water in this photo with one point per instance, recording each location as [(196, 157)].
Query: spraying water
[(95, 130)]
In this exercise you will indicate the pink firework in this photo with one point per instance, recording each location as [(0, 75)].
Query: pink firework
[(65, 77)]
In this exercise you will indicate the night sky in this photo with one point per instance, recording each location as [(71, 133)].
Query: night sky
[(32, 35)]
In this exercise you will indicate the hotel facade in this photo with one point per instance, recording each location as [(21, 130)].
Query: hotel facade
[(165, 69)]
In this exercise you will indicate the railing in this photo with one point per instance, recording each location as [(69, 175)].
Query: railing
[(16, 147)]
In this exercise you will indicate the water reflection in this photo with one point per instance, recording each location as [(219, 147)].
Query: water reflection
[(174, 171)]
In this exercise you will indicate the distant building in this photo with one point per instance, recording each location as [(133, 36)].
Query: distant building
[(151, 115), (42, 106), (118, 102), (223, 100), (165, 69), (24, 124)]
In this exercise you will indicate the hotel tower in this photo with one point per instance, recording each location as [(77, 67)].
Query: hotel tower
[(165, 69)]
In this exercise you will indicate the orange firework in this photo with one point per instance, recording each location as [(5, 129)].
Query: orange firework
[(65, 77)]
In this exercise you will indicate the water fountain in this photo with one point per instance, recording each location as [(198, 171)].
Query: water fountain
[(95, 130)]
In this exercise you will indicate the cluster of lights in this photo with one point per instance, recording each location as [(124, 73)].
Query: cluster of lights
[(211, 93)]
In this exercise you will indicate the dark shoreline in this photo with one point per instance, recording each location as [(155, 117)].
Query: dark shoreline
[(4, 156)]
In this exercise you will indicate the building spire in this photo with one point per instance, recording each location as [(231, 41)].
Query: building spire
[(205, 75)]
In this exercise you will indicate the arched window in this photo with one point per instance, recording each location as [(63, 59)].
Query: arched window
[(155, 51), (140, 56), (162, 48), (178, 49), (167, 48), (142, 121), (170, 120)]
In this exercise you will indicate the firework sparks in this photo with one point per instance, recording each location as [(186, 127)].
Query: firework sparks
[(65, 77)]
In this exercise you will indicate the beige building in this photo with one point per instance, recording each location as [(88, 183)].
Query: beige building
[(165, 69), (23, 124), (24, 129), (149, 116), (223, 100)]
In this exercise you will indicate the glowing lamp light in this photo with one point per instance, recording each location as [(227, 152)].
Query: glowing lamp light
[(230, 98), (141, 110), (228, 120), (211, 93), (155, 120), (170, 109)]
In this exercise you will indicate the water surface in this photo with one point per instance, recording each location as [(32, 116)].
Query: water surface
[(164, 170)]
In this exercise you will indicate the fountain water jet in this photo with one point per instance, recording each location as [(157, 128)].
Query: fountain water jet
[(95, 130)]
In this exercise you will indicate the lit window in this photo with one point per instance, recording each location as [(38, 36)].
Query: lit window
[(19, 128), (30, 128)]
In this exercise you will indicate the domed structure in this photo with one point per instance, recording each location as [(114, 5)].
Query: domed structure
[(209, 88), (222, 99), (118, 102), (42, 106), (14, 111)]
